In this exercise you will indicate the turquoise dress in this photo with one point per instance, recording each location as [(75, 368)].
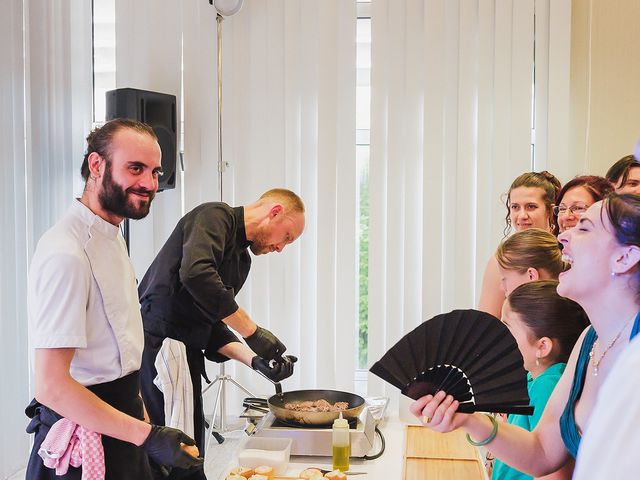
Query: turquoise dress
[(568, 428), (540, 390)]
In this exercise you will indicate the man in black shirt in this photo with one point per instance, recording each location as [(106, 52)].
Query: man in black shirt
[(188, 293)]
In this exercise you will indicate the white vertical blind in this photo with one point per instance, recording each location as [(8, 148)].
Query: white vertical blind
[(45, 89), (289, 113), (452, 96), (58, 105), (14, 443)]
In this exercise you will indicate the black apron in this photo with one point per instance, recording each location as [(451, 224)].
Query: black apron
[(123, 460)]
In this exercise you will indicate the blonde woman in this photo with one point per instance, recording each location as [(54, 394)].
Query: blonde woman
[(526, 256)]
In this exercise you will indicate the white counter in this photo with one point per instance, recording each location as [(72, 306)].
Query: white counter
[(222, 458)]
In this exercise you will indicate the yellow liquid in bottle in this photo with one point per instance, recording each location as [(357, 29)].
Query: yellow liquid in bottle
[(341, 458)]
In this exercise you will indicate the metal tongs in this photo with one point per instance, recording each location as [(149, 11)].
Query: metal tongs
[(256, 403)]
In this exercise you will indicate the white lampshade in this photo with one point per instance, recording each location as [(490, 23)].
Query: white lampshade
[(226, 8)]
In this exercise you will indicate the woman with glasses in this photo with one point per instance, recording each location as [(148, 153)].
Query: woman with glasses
[(529, 204), (575, 197)]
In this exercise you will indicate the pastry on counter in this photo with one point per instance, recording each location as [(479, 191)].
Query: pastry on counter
[(264, 470), (311, 473)]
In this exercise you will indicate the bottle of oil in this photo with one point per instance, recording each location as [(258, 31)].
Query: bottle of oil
[(341, 444)]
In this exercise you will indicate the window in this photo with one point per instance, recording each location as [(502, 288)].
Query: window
[(363, 125), (104, 55)]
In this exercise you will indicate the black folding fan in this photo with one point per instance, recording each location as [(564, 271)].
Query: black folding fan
[(470, 355)]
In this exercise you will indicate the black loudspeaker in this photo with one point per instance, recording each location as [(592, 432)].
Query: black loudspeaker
[(158, 110)]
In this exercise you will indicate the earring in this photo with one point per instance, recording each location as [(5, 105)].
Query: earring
[(537, 361), (613, 274)]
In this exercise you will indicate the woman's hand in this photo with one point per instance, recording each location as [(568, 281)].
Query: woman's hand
[(439, 412)]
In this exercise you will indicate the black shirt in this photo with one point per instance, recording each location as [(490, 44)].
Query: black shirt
[(191, 284)]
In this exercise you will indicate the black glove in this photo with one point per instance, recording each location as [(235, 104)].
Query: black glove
[(265, 344), (275, 370), (163, 447)]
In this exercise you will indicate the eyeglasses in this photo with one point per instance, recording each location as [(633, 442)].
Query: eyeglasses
[(577, 209)]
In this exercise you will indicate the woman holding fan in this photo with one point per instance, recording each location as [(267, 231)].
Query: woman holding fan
[(604, 253)]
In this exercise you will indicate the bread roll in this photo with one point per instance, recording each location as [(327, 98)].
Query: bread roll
[(311, 473), (234, 476), (190, 449), (258, 477)]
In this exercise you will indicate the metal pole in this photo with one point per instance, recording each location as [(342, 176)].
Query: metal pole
[(221, 165), (222, 378)]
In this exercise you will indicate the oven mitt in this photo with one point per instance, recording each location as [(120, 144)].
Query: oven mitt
[(265, 344), (163, 447), (280, 369)]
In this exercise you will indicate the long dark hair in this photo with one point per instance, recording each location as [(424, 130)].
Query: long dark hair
[(549, 184), (547, 314)]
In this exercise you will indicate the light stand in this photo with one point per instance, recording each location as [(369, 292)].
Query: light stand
[(222, 378)]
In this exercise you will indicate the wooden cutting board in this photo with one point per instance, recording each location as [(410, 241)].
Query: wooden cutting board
[(440, 456)]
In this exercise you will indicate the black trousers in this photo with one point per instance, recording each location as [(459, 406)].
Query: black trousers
[(123, 460), (154, 399)]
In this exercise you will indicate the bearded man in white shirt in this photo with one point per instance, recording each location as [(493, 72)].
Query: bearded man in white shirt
[(84, 318)]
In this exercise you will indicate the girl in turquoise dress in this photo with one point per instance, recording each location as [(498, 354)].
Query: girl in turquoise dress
[(604, 278), (546, 327)]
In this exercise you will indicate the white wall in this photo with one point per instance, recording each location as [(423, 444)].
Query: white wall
[(605, 90)]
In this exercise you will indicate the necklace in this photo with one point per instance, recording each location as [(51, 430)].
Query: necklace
[(596, 363)]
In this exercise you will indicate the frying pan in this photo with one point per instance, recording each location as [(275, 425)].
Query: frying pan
[(278, 401)]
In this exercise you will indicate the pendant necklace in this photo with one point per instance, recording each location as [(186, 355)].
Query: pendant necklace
[(596, 363)]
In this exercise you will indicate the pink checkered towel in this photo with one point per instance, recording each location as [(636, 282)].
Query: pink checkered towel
[(70, 444)]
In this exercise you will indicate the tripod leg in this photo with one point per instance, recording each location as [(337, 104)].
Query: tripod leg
[(213, 414), (241, 387), (204, 390)]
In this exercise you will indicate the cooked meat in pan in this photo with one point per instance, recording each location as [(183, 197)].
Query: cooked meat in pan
[(317, 406)]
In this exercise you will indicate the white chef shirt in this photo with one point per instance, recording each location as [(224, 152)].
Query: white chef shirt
[(611, 443), (82, 294)]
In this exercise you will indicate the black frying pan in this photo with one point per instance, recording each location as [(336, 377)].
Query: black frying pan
[(278, 401)]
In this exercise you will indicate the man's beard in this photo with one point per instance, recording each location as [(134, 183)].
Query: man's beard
[(259, 245), (113, 198)]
